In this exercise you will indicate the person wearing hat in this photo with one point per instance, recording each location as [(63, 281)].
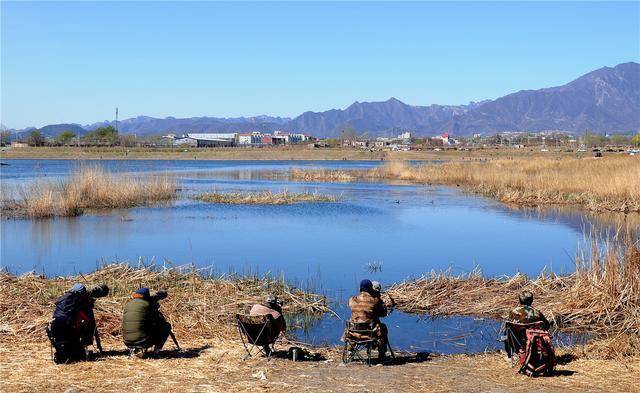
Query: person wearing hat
[(143, 325), (368, 307), (525, 313), (273, 307), (388, 301), (73, 326)]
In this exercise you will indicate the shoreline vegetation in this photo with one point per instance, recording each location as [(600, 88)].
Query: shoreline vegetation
[(264, 198), (609, 184), (87, 188), (270, 153), (200, 305), (601, 298)]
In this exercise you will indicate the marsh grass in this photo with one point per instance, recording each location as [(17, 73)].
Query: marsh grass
[(200, 305), (601, 298), (88, 187), (608, 184), (264, 198)]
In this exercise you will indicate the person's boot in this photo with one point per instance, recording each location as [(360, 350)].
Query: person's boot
[(382, 355)]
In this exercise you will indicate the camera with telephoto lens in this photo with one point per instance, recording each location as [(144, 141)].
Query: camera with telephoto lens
[(159, 295), (99, 291)]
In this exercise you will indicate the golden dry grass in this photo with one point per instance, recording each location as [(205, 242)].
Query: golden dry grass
[(602, 297), (198, 306), (606, 184), (264, 198), (217, 366), (89, 187)]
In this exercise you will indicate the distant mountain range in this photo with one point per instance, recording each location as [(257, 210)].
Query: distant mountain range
[(605, 100)]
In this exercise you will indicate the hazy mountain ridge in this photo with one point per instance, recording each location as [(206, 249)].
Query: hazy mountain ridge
[(604, 100)]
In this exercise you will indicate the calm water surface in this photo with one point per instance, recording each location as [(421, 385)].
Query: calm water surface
[(406, 229)]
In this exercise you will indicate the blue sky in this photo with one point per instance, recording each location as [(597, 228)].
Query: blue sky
[(74, 62)]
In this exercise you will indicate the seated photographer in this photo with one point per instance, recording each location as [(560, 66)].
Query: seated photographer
[(73, 326), (367, 307), (271, 306), (143, 325)]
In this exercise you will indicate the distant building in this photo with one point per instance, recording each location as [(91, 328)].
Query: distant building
[(214, 139), (19, 144), (185, 142), (266, 139), (447, 139), (245, 139), (406, 136)]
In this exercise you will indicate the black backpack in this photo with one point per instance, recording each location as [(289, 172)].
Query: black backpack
[(61, 330)]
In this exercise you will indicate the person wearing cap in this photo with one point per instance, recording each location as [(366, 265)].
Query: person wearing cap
[(388, 301), (368, 307), (525, 313), (143, 325), (273, 307)]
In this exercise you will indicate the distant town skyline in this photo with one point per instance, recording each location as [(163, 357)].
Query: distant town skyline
[(64, 62)]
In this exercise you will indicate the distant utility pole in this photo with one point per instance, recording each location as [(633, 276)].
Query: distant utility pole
[(116, 119)]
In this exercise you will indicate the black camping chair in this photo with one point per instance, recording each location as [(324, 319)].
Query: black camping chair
[(258, 334), (515, 339), (359, 337)]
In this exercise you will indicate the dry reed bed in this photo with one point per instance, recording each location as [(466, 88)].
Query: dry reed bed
[(607, 184), (264, 198), (88, 187), (602, 297), (198, 306)]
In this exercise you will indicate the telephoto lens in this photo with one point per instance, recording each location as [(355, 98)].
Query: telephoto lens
[(159, 295), (99, 291)]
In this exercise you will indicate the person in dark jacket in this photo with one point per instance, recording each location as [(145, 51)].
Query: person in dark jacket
[(143, 325), (73, 326)]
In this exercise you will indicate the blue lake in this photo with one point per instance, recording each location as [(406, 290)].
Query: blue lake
[(407, 229)]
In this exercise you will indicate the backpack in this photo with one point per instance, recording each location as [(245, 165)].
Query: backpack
[(539, 357), (64, 331)]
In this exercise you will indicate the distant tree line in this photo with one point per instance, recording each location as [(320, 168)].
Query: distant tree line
[(102, 136)]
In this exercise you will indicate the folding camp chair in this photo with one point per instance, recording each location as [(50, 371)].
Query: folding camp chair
[(258, 334), (515, 339), (359, 337)]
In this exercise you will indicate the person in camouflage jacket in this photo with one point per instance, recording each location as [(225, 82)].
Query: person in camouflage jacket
[(525, 313), (368, 307)]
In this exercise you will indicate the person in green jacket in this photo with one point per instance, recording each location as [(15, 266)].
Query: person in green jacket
[(143, 325)]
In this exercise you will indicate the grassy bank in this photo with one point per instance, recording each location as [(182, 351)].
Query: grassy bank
[(609, 184), (199, 306), (267, 153), (86, 188), (602, 297), (264, 198)]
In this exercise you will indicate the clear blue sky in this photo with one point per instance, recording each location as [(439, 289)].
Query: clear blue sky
[(74, 62)]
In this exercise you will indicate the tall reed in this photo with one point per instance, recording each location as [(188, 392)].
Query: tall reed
[(89, 187), (607, 184), (200, 304), (601, 297)]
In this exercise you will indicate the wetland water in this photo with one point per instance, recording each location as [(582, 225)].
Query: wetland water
[(405, 229)]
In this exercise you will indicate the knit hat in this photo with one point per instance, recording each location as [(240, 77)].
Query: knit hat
[(142, 292), (365, 285)]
